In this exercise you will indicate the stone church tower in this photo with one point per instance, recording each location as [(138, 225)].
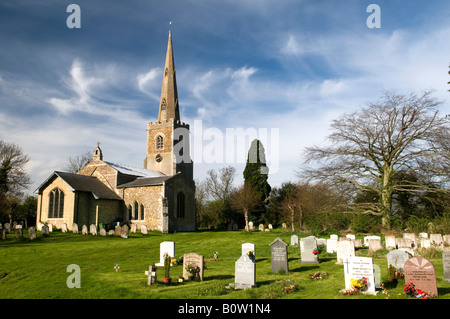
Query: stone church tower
[(168, 138)]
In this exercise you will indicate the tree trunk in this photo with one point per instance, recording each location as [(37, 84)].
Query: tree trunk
[(386, 199), (246, 219)]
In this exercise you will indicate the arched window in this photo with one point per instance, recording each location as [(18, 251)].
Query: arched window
[(142, 212), (180, 205), (159, 142), (56, 203), (136, 211)]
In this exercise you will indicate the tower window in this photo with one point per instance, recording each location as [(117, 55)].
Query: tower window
[(56, 203), (159, 142)]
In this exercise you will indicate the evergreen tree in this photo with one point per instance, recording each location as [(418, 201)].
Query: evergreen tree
[(256, 174)]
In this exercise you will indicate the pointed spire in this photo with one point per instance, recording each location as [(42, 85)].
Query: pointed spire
[(168, 105)]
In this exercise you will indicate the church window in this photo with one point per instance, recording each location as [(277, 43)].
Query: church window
[(136, 211), (142, 212), (180, 205), (159, 142), (56, 203), (130, 212)]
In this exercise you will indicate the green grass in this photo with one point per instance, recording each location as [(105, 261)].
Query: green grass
[(37, 269)]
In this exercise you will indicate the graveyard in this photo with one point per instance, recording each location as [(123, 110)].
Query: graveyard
[(236, 265)]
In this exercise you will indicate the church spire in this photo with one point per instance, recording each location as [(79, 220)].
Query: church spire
[(168, 105)]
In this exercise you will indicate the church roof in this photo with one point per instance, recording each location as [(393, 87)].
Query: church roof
[(145, 181), (129, 170), (82, 183)]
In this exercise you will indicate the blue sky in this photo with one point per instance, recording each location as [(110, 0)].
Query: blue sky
[(287, 68)]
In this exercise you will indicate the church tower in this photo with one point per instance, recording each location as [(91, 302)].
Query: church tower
[(168, 138)]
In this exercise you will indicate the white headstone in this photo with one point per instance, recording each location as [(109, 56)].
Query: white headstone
[(336, 237), (357, 268), (345, 248), (144, 229), (93, 229), (366, 239), (133, 228), (390, 242), (84, 230), (331, 245), (64, 227), (245, 248), (437, 241), (425, 243), (350, 236), (75, 228), (245, 273), (166, 247), (294, 240)]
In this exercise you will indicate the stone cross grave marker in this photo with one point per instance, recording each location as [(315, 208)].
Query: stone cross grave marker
[(420, 271), (345, 248), (116, 267), (358, 267), (244, 273), (397, 258), (151, 275), (197, 261), (279, 255), (166, 247), (446, 265)]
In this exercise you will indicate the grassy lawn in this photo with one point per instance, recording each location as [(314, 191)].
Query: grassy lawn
[(38, 269)]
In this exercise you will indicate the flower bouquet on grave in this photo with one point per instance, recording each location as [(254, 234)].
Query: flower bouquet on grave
[(251, 254), (193, 270), (410, 289)]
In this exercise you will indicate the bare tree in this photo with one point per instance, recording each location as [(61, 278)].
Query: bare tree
[(370, 146), (77, 162), (244, 199), (219, 187)]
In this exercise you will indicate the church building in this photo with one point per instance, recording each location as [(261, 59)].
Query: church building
[(161, 195)]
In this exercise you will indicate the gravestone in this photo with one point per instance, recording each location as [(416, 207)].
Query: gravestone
[(151, 275), (117, 230), (248, 247), (197, 261), (84, 230), (31, 233), (446, 265), (2, 234), (307, 247), (18, 234), (133, 228), (436, 241), (405, 244), (350, 236), (111, 232), (279, 255), (345, 248), (420, 271), (270, 226), (446, 239), (358, 243), (284, 226), (423, 235), (374, 245), (244, 273), (93, 229), (45, 231), (425, 243), (250, 226), (366, 239), (411, 236), (294, 240), (75, 228), (261, 227), (64, 227), (397, 258), (357, 268), (333, 236), (166, 247), (7, 228), (144, 230), (102, 232), (331, 245), (390, 242), (124, 232), (50, 227)]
